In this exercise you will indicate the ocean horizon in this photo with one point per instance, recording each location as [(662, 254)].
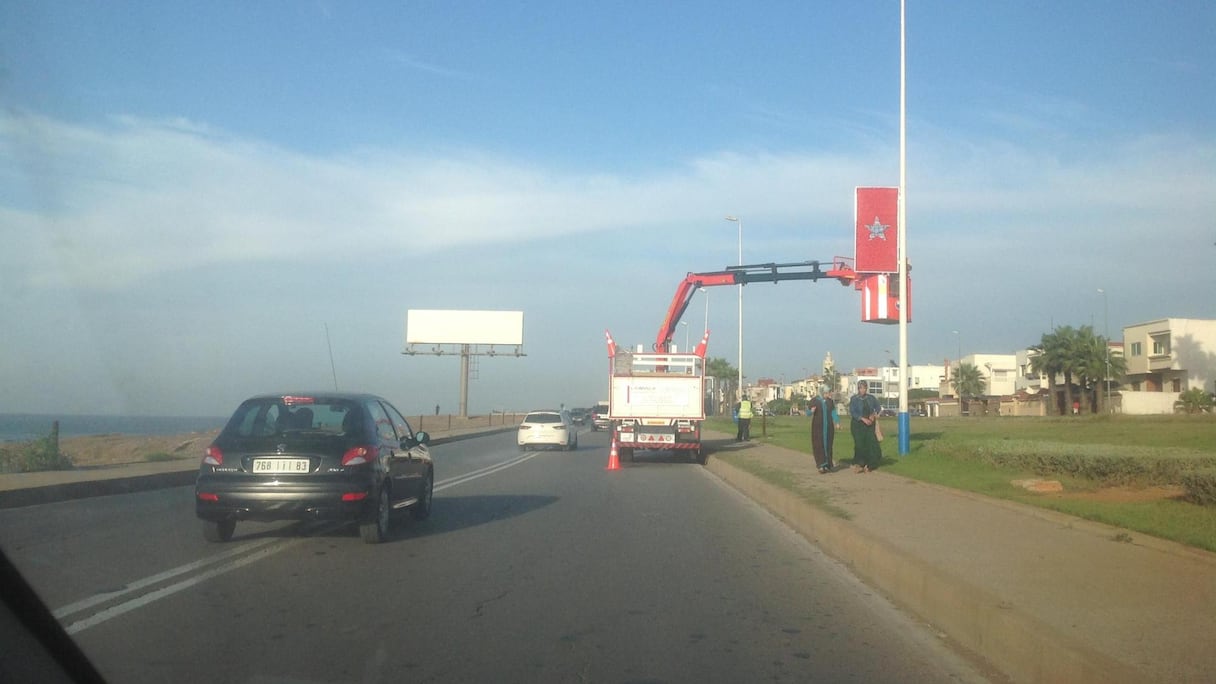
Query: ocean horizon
[(23, 427)]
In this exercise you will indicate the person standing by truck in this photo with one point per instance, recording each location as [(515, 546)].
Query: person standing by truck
[(743, 434)]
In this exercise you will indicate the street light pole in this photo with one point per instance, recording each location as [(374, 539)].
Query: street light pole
[(739, 221), (1106, 334), (706, 294)]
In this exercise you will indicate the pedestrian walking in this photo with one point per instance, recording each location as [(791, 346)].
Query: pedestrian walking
[(744, 431), (825, 420), (863, 423)]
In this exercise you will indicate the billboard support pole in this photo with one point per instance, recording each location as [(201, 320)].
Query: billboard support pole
[(464, 381)]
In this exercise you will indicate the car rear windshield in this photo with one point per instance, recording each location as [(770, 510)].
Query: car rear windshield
[(282, 416), (543, 418)]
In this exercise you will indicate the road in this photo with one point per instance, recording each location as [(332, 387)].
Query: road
[(536, 566)]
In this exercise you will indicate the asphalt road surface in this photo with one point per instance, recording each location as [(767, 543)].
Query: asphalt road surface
[(535, 566)]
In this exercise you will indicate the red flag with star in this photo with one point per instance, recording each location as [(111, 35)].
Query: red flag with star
[(876, 217)]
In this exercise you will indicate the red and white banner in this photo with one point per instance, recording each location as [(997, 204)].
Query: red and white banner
[(880, 299), (876, 218)]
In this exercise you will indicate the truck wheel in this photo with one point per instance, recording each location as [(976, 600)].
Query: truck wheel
[(701, 455), (626, 454)]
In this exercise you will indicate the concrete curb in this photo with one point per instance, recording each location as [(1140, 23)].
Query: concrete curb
[(1012, 640), (66, 491)]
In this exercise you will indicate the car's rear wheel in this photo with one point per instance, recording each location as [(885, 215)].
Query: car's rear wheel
[(375, 530), (218, 530), (422, 509)]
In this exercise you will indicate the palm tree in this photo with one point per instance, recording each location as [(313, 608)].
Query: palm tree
[(1194, 400), (1089, 360), (1095, 366), (1076, 353), (1050, 359), (968, 382)]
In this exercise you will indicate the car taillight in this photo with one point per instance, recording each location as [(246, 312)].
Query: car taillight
[(354, 496), (525, 427), (360, 455), (213, 456), (205, 496)]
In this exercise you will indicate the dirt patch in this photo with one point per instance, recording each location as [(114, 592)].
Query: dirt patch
[(1128, 494), (98, 450)]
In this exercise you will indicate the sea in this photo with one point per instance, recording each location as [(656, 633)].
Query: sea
[(22, 427)]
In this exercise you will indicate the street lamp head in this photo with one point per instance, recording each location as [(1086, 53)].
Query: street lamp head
[(731, 217)]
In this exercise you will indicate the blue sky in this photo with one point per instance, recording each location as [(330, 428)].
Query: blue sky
[(191, 194)]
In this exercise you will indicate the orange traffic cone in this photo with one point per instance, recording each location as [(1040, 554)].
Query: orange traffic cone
[(614, 459)]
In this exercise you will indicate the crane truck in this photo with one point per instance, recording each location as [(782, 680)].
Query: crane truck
[(657, 398)]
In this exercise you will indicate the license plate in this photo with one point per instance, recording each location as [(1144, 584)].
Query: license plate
[(281, 465)]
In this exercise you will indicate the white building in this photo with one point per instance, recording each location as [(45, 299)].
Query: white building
[(926, 376), (1001, 373), (1165, 358)]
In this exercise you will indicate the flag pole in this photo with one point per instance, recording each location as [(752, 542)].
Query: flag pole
[(905, 438)]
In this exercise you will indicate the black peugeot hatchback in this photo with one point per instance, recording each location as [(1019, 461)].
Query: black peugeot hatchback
[(314, 456)]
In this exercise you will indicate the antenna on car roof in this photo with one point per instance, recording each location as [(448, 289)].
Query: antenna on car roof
[(332, 369)]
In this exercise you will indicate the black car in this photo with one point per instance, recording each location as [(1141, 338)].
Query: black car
[(314, 456)]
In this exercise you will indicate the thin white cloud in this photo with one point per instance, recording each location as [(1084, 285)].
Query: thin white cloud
[(134, 198), (415, 64)]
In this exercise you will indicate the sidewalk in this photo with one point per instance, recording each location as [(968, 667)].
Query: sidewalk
[(1043, 596)]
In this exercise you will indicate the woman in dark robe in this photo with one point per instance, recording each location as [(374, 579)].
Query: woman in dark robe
[(824, 421)]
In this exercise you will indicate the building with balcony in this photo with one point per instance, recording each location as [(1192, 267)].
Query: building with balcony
[(1164, 358)]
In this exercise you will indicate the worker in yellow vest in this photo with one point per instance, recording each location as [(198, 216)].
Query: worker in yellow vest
[(743, 434)]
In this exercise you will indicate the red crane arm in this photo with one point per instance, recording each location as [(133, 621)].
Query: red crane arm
[(841, 270)]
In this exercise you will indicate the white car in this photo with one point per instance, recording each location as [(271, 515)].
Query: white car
[(547, 428)]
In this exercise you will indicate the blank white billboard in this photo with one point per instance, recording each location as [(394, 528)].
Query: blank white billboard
[(434, 326)]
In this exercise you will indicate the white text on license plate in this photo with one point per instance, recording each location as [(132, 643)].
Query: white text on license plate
[(280, 465)]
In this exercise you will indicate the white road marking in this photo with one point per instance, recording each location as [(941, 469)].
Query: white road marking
[(157, 578), (488, 470), (141, 601)]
